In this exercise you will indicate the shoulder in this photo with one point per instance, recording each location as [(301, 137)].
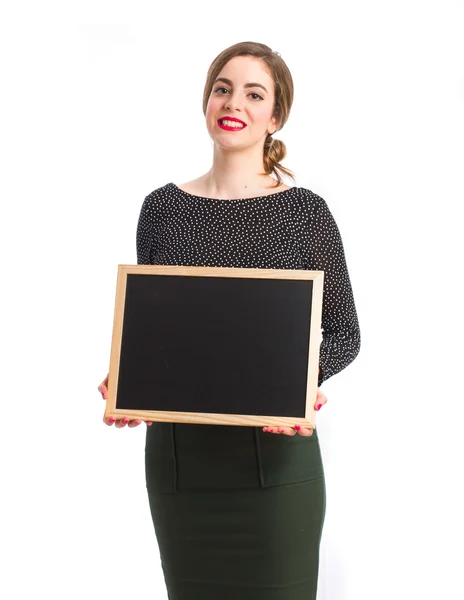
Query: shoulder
[(156, 200), (309, 203), (310, 198), (195, 187), (316, 215), (159, 193)]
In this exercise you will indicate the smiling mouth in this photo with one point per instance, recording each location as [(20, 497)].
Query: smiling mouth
[(230, 125)]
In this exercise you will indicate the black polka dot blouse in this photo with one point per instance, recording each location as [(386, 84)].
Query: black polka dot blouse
[(290, 229)]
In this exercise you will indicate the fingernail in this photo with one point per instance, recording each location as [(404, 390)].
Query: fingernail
[(103, 395), (125, 421), (271, 430), (318, 406), (111, 420), (297, 427), (281, 430)]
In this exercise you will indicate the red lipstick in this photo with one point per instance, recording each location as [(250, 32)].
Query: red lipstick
[(227, 128)]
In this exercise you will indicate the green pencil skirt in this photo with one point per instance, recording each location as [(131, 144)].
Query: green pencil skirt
[(238, 513)]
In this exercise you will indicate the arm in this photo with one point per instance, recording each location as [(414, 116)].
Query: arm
[(145, 232), (144, 240), (323, 250)]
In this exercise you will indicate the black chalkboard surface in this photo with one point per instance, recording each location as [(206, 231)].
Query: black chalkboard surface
[(215, 345)]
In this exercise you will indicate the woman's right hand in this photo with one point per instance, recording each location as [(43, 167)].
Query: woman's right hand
[(123, 421)]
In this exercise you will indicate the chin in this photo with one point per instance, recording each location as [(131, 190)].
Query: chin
[(227, 142), (234, 146)]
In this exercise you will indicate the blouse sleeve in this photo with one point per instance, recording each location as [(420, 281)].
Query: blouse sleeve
[(323, 251), (145, 232)]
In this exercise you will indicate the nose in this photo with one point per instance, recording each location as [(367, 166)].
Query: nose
[(233, 102)]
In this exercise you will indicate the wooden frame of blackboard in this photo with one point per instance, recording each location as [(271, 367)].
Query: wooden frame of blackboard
[(119, 409)]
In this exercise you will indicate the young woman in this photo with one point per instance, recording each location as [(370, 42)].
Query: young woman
[(238, 513)]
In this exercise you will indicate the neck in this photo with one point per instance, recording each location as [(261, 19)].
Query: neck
[(236, 174)]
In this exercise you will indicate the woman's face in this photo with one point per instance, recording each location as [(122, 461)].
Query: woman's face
[(233, 96)]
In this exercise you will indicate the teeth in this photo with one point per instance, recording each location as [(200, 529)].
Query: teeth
[(232, 124)]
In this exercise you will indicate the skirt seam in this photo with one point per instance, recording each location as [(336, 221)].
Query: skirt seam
[(174, 458), (258, 458)]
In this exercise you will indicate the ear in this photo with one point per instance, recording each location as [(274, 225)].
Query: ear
[(273, 126)]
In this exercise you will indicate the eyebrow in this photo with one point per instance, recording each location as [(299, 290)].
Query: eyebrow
[(247, 85)]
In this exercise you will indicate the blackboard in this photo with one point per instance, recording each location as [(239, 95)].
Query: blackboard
[(215, 345)]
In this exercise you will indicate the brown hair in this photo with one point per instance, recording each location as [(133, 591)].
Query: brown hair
[(274, 150)]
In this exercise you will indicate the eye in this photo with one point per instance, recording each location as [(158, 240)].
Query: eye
[(218, 89)]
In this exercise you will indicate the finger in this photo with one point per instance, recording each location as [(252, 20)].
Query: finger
[(306, 431), (122, 422), (103, 387), (321, 399), (287, 430), (149, 423), (279, 430), (270, 429), (108, 420), (321, 396), (103, 390), (134, 422)]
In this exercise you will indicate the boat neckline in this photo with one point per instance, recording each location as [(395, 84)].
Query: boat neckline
[(233, 199)]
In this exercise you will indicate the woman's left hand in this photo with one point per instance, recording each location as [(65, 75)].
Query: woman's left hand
[(321, 399)]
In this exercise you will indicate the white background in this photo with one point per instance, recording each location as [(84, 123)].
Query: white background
[(101, 104)]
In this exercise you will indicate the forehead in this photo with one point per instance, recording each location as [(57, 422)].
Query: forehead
[(243, 69)]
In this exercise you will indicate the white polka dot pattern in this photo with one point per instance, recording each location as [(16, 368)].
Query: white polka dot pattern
[(291, 229)]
